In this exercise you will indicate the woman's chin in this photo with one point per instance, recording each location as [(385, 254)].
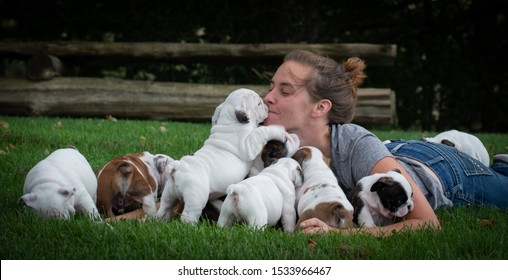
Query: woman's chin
[(270, 121)]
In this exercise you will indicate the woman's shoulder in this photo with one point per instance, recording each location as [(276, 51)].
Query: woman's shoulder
[(349, 130), (348, 137)]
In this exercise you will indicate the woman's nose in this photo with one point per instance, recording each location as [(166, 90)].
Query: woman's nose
[(269, 99)]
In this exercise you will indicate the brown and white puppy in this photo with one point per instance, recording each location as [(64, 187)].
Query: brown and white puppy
[(381, 197), (320, 195), (266, 198), (60, 185), (128, 181), (226, 157)]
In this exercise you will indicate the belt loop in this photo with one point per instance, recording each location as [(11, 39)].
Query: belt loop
[(396, 148)]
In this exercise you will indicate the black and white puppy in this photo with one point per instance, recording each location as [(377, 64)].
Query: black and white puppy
[(379, 198), (273, 150)]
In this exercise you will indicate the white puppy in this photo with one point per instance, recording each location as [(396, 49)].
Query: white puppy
[(320, 195), (265, 198), (61, 184), (225, 158), (464, 142), (381, 197)]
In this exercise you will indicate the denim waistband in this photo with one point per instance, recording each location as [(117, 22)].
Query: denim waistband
[(449, 164)]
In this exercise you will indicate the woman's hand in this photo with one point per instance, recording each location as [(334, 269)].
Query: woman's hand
[(314, 226)]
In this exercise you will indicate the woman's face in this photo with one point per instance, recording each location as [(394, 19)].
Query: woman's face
[(289, 103)]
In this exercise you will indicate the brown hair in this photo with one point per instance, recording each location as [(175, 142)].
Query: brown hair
[(335, 82)]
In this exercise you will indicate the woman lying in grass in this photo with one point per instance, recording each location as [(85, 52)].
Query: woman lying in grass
[(315, 98)]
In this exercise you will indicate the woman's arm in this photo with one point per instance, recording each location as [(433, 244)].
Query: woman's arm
[(422, 215)]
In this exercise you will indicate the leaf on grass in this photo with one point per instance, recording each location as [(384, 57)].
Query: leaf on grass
[(163, 129), (142, 139), (7, 149), (311, 243), (111, 118), (57, 124), (4, 124), (487, 222)]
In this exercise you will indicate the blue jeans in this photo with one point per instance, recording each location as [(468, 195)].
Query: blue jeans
[(465, 180)]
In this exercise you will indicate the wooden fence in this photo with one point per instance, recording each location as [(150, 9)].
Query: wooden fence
[(55, 95)]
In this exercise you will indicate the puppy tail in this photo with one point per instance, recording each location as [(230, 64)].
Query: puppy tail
[(234, 194), (125, 168)]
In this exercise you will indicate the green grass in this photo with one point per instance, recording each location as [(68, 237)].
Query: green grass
[(467, 233)]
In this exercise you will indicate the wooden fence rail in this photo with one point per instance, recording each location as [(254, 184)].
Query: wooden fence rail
[(374, 54), (97, 97)]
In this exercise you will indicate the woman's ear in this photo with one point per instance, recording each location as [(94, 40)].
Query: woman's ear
[(322, 108)]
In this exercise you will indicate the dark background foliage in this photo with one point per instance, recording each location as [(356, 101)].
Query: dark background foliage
[(450, 70)]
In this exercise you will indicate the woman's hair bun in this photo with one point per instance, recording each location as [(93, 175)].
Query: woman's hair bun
[(354, 66)]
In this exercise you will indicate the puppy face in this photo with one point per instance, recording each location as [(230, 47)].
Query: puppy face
[(51, 201), (242, 105), (272, 151), (395, 193), (332, 213)]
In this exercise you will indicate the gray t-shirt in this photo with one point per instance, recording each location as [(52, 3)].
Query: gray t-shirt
[(354, 153)]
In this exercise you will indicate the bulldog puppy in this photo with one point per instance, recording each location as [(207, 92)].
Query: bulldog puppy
[(225, 158), (265, 198), (160, 162), (60, 185), (128, 181), (381, 197), (464, 142), (320, 195), (273, 150)]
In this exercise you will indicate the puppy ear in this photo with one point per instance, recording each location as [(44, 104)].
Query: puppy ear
[(67, 191), (242, 116), (378, 185), (447, 142), (216, 114), (27, 199), (396, 170), (302, 154), (298, 175)]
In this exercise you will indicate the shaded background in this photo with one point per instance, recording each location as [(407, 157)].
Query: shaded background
[(450, 70)]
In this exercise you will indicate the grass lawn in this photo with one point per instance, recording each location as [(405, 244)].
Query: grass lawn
[(467, 233)]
